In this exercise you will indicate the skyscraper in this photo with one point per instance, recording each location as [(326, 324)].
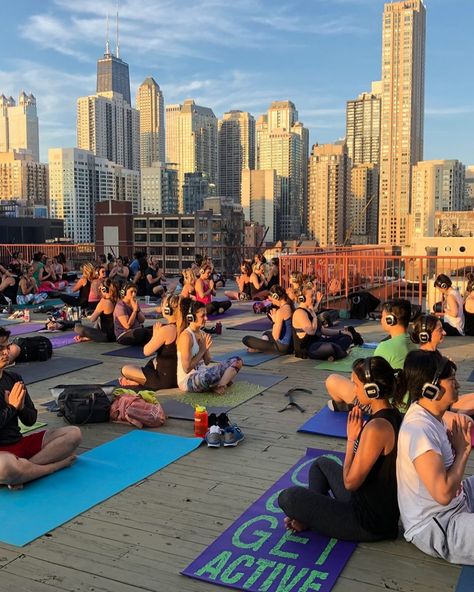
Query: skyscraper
[(21, 178), (282, 145), (236, 151), (150, 104), (363, 126), (159, 187), (112, 72), (328, 193), (191, 141), (19, 124), (362, 214), (260, 199), (403, 89)]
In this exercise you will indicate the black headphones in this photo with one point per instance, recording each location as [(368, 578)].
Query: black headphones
[(167, 307), (190, 317), (124, 289), (390, 318), (307, 286), (424, 336), (442, 285), (371, 388), (431, 390), (274, 296), (104, 289)]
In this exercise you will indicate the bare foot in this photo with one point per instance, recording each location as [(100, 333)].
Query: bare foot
[(127, 382), (331, 359), (79, 339), (219, 389), (252, 351), (296, 526), (65, 463)]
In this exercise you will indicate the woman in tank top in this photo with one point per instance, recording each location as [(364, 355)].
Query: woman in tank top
[(279, 339), (160, 372), (310, 339), (363, 502), (195, 375), (103, 316), (83, 286), (244, 284), (129, 319), (453, 320), (205, 290), (469, 306)]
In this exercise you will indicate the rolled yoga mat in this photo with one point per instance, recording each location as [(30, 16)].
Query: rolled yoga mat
[(257, 553), (96, 475)]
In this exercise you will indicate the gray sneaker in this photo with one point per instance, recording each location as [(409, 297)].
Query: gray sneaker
[(213, 437), (232, 436)]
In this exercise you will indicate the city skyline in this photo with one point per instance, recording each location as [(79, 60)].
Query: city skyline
[(241, 58)]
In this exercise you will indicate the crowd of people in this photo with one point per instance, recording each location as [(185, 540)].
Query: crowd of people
[(408, 429)]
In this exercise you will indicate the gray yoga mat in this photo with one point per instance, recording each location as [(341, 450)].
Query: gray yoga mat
[(249, 358), (260, 324), (56, 366)]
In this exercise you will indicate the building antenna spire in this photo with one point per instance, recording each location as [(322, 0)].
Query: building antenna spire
[(107, 45), (117, 47)]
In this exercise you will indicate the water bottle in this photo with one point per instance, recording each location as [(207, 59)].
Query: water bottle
[(26, 315), (200, 421), (218, 328)]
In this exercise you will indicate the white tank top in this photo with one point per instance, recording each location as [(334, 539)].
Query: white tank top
[(182, 376), (458, 321)]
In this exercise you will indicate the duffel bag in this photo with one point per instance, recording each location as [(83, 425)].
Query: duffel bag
[(81, 404), (34, 349)]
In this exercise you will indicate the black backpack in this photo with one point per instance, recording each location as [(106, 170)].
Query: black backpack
[(34, 349)]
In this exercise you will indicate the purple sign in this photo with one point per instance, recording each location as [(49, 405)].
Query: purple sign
[(256, 553)]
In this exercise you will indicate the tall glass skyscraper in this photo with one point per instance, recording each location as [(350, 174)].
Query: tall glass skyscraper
[(112, 75)]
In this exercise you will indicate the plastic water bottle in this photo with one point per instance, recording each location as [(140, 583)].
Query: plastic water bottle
[(200, 422), (26, 315)]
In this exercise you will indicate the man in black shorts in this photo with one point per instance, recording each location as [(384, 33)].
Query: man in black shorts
[(24, 458)]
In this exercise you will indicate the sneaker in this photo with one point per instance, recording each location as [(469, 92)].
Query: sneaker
[(223, 421), (212, 420), (333, 406), (232, 436), (213, 437)]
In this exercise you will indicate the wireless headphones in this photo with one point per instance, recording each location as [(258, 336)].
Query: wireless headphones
[(104, 289), (307, 286), (390, 318), (274, 296), (190, 316), (167, 308), (441, 284), (431, 390), (424, 336), (124, 289), (371, 388)]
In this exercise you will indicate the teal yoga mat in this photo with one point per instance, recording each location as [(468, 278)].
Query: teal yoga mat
[(97, 475)]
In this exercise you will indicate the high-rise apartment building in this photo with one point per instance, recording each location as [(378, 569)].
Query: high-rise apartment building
[(329, 176), (78, 180), (362, 214), (236, 151), (110, 128), (260, 199), (150, 104), (195, 190), (19, 124), (403, 89), (437, 185), (159, 187), (282, 145), (191, 141), (21, 178), (469, 188), (363, 126)]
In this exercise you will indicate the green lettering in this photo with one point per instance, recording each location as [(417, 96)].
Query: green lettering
[(309, 584), (295, 475), (324, 555), (287, 586), (264, 536), (272, 577), (270, 505), (248, 560), (262, 566), (214, 567), (288, 536)]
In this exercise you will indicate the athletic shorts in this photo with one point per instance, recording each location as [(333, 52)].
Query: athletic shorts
[(27, 447)]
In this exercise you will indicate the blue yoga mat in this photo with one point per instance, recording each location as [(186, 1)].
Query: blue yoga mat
[(97, 475), (131, 351), (250, 359), (326, 423), (470, 378), (466, 580)]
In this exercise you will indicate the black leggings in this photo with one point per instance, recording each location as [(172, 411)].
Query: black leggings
[(335, 346), (333, 517), (73, 300), (215, 307), (450, 330), (94, 334), (270, 346), (138, 336)]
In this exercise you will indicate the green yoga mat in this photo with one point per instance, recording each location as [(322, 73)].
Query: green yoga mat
[(345, 365), (25, 429)]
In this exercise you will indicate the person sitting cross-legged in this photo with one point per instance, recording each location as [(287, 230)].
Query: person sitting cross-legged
[(25, 458)]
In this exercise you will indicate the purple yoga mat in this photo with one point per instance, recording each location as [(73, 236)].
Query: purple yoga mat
[(231, 312), (260, 324), (25, 328), (256, 553), (62, 340)]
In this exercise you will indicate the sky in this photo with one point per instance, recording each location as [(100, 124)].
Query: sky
[(237, 54)]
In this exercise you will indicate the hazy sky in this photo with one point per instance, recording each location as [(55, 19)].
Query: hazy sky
[(237, 54)]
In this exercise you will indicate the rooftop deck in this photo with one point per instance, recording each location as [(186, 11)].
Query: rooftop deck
[(141, 538)]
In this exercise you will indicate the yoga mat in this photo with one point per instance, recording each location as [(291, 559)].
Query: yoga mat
[(250, 359), (231, 312), (256, 553), (261, 324), (179, 405), (34, 307), (470, 378), (466, 579), (25, 429), (345, 365), (56, 366), (62, 340), (327, 423), (98, 474), (25, 328), (131, 351)]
